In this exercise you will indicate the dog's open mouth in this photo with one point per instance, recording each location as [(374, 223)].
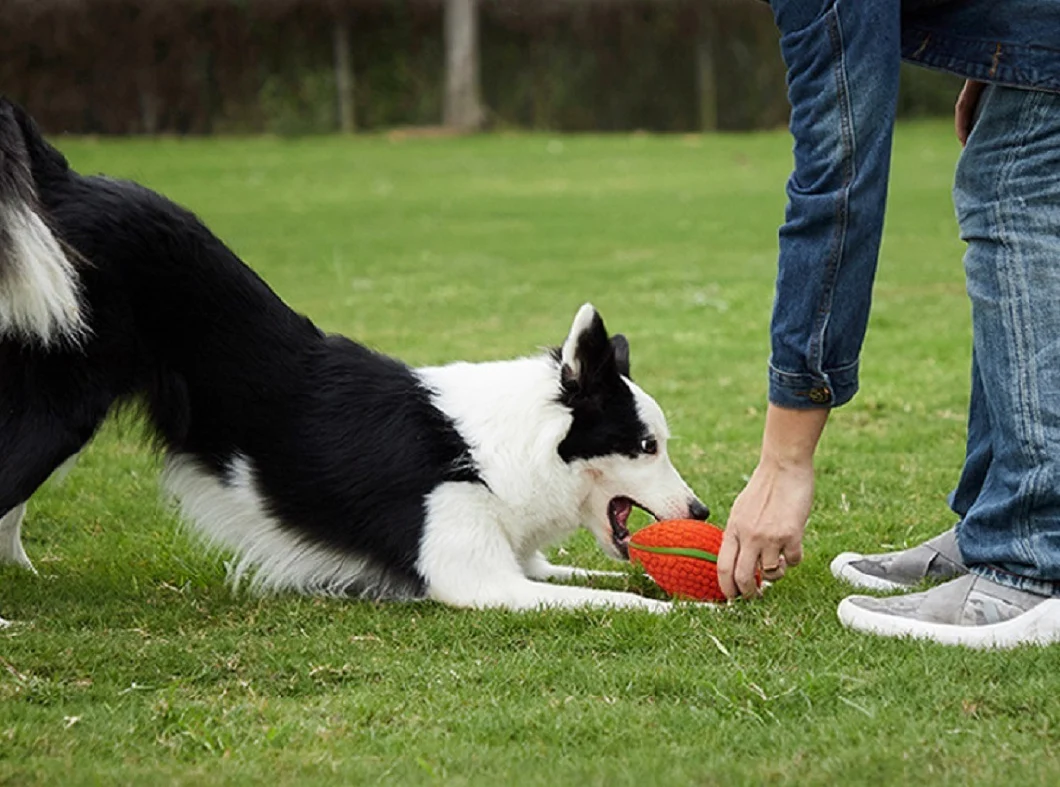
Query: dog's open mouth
[(618, 511)]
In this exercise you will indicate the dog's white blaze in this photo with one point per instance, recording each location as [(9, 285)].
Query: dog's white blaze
[(664, 490), (652, 481), (231, 515), (39, 287), (11, 550)]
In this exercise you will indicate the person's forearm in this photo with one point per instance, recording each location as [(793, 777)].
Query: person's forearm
[(843, 64), (791, 436)]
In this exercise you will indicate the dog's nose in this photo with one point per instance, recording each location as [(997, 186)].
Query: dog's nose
[(697, 510)]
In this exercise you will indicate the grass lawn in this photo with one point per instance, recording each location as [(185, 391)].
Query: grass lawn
[(131, 661)]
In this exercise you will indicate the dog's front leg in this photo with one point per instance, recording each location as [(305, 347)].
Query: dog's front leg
[(516, 592), (538, 567), (467, 561)]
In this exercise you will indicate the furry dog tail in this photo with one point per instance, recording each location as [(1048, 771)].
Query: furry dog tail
[(39, 287)]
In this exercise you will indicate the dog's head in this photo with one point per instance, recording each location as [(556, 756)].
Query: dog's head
[(618, 436)]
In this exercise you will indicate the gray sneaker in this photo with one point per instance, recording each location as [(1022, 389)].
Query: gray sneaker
[(933, 561), (970, 611)]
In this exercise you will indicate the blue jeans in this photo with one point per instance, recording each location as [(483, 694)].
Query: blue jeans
[(1007, 197), (843, 59)]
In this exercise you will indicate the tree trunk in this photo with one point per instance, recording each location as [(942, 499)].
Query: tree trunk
[(463, 102), (344, 77), (706, 76)]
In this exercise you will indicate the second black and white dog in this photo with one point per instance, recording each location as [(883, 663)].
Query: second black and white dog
[(323, 466)]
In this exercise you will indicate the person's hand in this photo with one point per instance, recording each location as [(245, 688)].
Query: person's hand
[(964, 112), (769, 516), (765, 527)]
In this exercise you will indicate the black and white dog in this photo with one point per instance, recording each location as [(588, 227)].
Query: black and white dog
[(324, 466)]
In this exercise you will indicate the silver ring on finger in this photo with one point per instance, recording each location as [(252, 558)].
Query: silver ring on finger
[(773, 573)]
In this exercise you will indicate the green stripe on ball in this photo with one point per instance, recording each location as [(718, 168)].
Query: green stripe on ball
[(681, 551)]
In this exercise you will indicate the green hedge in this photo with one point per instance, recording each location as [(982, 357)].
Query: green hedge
[(118, 66)]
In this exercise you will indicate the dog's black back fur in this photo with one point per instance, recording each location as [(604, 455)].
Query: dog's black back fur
[(223, 369)]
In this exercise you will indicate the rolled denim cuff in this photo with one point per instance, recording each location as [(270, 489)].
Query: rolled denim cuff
[(804, 391)]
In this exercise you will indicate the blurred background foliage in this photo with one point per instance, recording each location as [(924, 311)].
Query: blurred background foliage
[(283, 66)]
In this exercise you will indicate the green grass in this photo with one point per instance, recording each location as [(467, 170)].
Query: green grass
[(133, 662)]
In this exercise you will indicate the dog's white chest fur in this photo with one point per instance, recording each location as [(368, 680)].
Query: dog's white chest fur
[(509, 414)]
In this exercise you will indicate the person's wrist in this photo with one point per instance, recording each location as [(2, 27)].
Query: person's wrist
[(785, 458), (790, 437)]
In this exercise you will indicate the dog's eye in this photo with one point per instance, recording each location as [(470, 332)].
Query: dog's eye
[(649, 445)]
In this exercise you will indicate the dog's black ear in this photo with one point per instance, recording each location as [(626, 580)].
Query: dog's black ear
[(588, 357), (621, 348)]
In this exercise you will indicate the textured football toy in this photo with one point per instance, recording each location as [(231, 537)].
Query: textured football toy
[(681, 555)]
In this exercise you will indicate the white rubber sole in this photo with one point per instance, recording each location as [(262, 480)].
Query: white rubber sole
[(1038, 626), (842, 569)]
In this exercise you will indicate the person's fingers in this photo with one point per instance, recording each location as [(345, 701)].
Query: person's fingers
[(964, 111), (772, 563), (746, 566), (730, 548), (793, 551)]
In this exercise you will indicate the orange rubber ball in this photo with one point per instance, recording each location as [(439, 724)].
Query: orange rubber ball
[(681, 555)]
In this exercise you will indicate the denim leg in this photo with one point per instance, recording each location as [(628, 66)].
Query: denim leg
[(1007, 196), (979, 451)]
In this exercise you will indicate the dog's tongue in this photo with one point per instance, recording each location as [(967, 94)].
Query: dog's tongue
[(621, 508)]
